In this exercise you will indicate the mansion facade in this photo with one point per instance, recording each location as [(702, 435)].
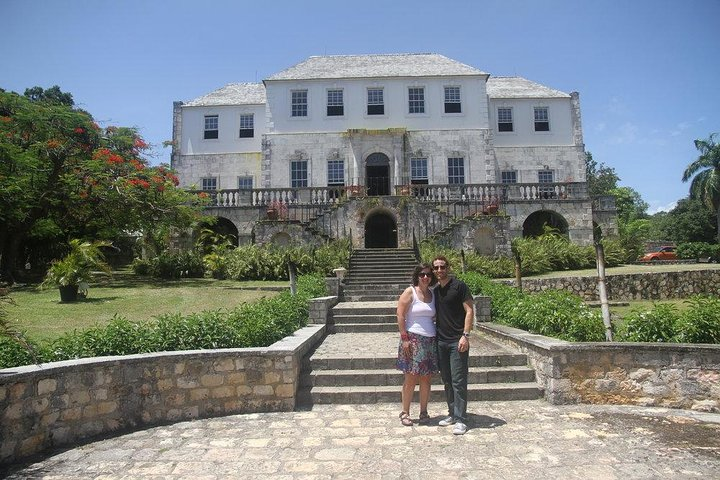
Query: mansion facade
[(388, 150)]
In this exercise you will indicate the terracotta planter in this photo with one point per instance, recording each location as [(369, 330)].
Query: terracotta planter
[(272, 214)]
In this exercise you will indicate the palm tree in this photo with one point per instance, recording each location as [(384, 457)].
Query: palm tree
[(706, 184)]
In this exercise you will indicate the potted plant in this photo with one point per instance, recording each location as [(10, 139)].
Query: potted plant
[(77, 268)]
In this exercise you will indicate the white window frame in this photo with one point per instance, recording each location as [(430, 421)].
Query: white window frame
[(508, 176), (541, 116), (211, 124), (299, 173), (375, 100), (506, 120), (452, 96), (298, 104), (247, 126), (333, 167), (335, 101), (242, 182), (416, 100), (208, 184), (456, 170), (546, 176), (419, 171)]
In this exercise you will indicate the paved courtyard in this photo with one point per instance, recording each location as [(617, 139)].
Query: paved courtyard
[(506, 440)]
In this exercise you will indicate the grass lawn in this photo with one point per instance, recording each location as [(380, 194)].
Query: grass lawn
[(40, 314)]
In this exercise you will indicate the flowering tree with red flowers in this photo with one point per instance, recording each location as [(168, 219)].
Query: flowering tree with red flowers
[(62, 176)]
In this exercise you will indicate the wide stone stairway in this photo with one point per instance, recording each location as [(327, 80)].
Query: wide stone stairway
[(355, 363)]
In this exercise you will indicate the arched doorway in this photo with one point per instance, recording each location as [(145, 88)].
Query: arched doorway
[(377, 174), (380, 231), (536, 222), (224, 227)]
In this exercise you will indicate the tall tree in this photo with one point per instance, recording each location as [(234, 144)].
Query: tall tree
[(689, 221), (62, 173), (705, 169), (600, 178)]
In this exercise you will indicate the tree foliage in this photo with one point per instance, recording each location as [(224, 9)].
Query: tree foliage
[(705, 175), (62, 176), (601, 179), (689, 221)]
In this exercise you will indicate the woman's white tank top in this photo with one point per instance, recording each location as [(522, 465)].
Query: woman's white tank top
[(420, 316)]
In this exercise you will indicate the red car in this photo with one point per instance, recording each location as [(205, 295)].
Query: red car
[(662, 253)]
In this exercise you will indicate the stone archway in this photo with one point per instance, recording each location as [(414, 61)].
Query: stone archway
[(535, 223), (226, 228), (380, 231)]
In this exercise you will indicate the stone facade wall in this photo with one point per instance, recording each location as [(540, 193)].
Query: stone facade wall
[(226, 167), (647, 374), (639, 286), (64, 402)]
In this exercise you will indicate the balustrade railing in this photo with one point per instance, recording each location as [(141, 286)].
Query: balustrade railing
[(489, 194)]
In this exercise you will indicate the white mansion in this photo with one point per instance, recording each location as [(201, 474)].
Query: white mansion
[(387, 149)]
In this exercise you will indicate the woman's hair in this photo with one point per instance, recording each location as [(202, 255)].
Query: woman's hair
[(420, 268)]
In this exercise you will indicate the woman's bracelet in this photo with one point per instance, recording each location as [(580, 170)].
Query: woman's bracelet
[(404, 337)]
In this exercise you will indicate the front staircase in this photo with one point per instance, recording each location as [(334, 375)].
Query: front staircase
[(355, 363)]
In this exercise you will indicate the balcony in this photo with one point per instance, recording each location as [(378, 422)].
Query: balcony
[(489, 194)]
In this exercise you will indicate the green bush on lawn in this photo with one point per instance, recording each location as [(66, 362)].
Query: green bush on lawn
[(255, 324), (563, 315)]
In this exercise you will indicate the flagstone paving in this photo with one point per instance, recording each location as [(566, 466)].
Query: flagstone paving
[(506, 440)]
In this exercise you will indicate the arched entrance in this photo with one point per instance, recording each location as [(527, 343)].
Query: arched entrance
[(224, 227), (377, 174), (535, 223), (380, 231)]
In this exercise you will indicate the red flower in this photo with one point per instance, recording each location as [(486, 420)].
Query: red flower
[(79, 130), (52, 143), (203, 195), (140, 143), (137, 164)]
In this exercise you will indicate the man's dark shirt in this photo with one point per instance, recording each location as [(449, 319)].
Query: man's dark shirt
[(449, 309)]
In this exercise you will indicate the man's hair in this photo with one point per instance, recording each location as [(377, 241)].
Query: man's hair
[(442, 258)]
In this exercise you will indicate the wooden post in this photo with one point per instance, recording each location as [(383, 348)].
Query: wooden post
[(292, 273), (600, 254), (462, 260)]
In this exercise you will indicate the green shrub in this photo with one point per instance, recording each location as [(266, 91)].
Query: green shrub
[(695, 250), (140, 266), (256, 324), (657, 325), (700, 323), (174, 265)]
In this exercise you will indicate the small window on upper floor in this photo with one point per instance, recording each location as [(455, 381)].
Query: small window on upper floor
[(211, 127), (247, 125), (245, 182), (508, 176), (452, 100), (542, 120), (335, 106), (416, 100), (505, 119), (209, 183), (375, 101), (299, 103)]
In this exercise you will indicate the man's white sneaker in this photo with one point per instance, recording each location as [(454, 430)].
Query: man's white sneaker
[(447, 421), (459, 429)]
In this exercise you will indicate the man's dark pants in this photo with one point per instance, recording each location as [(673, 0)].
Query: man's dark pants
[(454, 373)]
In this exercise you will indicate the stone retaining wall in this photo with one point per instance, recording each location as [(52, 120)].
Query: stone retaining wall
[(647, 374), (63, 403), (639, 286)]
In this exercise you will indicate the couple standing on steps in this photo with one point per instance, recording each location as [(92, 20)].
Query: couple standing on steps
[(435, 326)]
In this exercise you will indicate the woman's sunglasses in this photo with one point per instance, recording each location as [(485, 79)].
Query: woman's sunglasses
[(425, 274)]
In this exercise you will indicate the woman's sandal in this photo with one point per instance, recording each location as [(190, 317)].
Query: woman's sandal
[(405, 419), (424, 417)]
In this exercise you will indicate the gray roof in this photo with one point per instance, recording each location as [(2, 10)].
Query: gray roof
[(518, 87), (232, 94), (376, 66)]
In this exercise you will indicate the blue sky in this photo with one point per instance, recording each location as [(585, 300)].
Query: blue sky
[(647, 70)]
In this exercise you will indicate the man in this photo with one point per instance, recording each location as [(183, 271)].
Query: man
[(454, 318)]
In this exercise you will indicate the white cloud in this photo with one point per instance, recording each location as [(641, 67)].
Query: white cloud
[(655, 207), (627, 133)]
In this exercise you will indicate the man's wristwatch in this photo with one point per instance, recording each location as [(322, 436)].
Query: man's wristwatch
[(466, 335)]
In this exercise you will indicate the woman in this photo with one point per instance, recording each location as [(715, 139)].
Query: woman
[(417, 356)]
